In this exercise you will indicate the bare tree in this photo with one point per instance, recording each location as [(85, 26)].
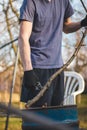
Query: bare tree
[(9, 29)]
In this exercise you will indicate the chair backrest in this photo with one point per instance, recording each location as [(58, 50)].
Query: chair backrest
[(74, 85)]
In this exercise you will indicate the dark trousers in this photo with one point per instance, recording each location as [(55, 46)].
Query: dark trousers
[(53, 96)]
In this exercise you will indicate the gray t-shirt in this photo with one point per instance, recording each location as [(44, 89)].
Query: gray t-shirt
[(46, 37)]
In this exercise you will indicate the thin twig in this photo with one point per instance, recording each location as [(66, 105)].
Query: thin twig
[(47, 85), (84, 5), (6, 44)]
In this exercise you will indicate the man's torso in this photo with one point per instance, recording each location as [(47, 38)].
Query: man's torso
[(46, 34)]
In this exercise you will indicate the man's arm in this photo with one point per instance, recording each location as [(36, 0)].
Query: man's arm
[(24, 46), (30, 79), (70, 26)]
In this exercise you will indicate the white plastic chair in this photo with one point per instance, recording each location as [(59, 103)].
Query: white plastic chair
[(74, 85)]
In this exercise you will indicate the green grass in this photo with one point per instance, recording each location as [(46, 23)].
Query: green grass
[(82, 112), (14, 123)]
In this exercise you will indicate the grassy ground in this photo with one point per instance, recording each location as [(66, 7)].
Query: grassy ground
[(15, 123), (82, 112)]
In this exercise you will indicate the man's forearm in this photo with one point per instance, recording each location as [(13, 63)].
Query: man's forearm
[(72, 27), (25, 53)]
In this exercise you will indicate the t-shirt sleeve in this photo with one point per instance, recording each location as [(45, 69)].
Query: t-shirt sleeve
[(27, 11), (69, 10)]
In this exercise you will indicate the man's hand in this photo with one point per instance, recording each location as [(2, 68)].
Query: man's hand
[(84, 22), (30, 80)]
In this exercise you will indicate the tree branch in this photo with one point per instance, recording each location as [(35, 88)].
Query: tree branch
[(13, 9), (84, 5)]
